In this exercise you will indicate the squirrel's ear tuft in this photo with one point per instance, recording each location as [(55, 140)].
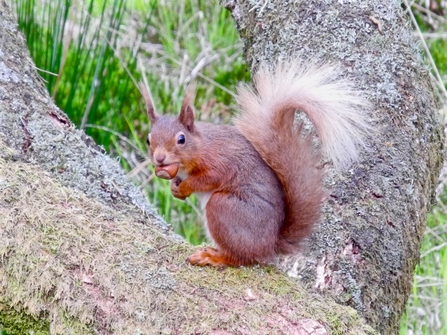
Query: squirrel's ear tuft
[(186, 116), (149, 106)]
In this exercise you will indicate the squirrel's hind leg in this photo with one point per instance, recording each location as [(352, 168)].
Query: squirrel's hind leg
[(243, 229)]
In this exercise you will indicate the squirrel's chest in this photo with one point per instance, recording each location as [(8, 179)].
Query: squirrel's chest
[(203, 197)]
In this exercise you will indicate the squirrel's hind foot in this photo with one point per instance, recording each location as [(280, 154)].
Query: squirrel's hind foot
[(210, 256)]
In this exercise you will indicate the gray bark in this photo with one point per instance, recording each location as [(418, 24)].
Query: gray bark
[(365, 249), (81, 251)]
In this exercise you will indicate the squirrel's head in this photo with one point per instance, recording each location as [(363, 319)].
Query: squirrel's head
[(172, 139)]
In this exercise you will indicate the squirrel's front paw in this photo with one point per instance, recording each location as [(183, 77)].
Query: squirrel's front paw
[(175, 182)]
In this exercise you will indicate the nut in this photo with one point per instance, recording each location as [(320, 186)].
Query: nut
[(166, 171)]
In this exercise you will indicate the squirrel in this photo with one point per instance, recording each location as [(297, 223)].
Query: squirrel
[(259, 180)]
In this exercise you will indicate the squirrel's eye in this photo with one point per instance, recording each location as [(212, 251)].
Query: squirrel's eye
[(148, 141), (181, 139)]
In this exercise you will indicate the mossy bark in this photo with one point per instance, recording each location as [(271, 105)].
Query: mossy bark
[(82, 252), (366, 247)]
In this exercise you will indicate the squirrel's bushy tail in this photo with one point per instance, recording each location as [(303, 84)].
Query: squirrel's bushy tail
[(267, 117)]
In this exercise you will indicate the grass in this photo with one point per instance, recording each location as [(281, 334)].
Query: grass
[(92, 54), (427, 306)]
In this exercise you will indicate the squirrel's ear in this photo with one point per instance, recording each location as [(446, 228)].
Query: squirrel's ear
[(149, 106), (186, 116)]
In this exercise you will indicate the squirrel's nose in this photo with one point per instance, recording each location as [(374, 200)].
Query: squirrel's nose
[(159, 157)]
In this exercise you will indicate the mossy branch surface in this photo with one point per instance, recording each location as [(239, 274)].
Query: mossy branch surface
[(75, 265)]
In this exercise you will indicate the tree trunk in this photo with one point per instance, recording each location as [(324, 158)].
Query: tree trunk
[(365, 249), (82, 252)]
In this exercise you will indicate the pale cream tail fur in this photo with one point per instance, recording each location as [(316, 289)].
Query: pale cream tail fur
[(331, 103)]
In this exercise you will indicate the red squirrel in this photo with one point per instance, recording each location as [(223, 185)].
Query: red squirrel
[(258, 180)]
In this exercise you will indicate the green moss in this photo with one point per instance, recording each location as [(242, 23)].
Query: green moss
[(263, 294), (18, 323)]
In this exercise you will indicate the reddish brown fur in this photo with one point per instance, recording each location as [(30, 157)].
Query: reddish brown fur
[(219, 159), (258, 181)]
